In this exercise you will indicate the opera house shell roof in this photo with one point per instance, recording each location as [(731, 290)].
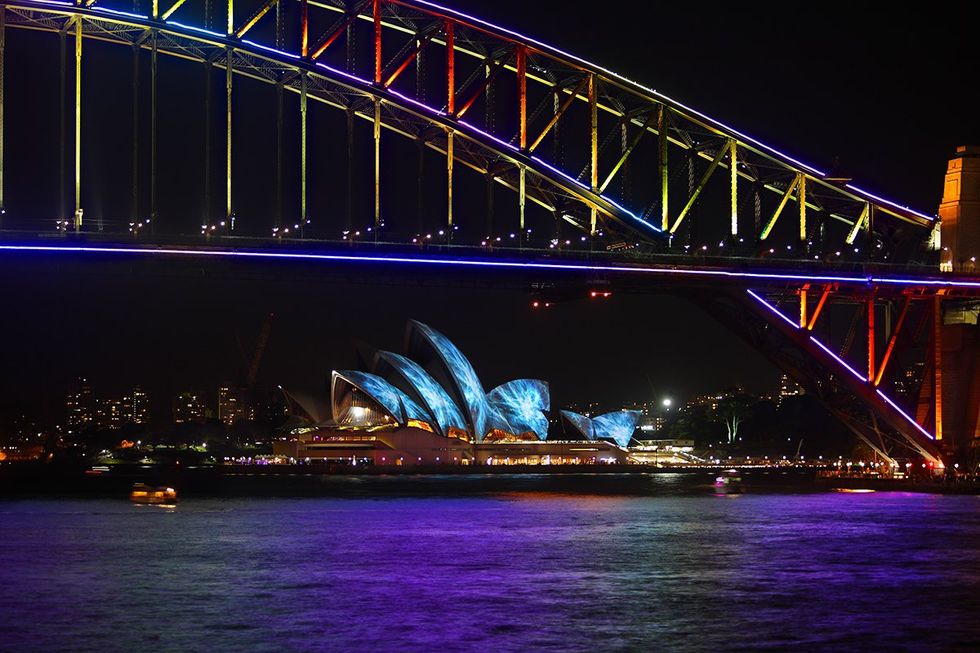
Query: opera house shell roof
[(436, 388), (617, 426)]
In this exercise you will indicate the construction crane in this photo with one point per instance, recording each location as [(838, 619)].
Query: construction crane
[(253, 368)]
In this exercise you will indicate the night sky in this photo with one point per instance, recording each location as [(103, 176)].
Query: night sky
[(889, 93)]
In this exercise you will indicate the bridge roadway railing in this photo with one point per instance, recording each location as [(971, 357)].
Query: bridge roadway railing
[(731, 260)]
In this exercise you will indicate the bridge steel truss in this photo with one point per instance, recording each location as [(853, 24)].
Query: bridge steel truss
[(559, 132), (849, 372), (565, 136)]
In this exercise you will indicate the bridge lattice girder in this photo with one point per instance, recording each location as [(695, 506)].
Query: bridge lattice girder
[(604, 120)]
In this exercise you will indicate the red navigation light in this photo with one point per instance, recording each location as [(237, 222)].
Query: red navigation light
[(535, 304), (599, 293)]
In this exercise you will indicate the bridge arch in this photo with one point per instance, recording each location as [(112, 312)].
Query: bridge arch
[(545, 92)]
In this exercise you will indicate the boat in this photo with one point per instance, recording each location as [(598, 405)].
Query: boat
[(143, 493), (729, 482)]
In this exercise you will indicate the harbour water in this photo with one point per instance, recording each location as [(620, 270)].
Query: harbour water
[(504, 571)]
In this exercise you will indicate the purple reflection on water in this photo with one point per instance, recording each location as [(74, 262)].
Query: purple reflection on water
[(503, 573)]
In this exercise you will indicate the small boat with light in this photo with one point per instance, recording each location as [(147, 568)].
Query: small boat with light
[(143, 493), (728, 482)]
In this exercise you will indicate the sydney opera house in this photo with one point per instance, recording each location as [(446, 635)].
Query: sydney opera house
[(429, 407)]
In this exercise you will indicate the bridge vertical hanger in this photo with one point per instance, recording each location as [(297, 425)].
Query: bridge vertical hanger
[(376, 13), (662, 142), (450, 69), (207, 142), (522, 198), (3, 38), (153, 120), (304, 28), (522, 93), (803, 306), (522, 120), (593, 149), (377, 166), (279, 117), (350, 169), (449, 183), (62, 35), (871, 338), (228, 78), (78, 123), (136, 133), (733, 169), (801, 198), (302, 154)]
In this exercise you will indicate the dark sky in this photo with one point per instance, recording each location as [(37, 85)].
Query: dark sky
[(889, 90)]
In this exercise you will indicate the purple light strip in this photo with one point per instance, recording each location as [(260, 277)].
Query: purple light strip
[(488, 135), (844, 363), (906, 416), (774, 310), (273, 50), (532, 265), (120, 13), (560, 172), (797, 327), (840, 360), (197, 29), (337, 71), (415, 102)]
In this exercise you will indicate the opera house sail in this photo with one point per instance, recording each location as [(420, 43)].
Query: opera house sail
[(428, 406), (617, 426)]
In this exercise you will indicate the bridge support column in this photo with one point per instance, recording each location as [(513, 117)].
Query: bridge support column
[(662, 142), (279, 91)]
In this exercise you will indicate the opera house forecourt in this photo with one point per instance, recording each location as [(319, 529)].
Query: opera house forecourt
[(429, 408)]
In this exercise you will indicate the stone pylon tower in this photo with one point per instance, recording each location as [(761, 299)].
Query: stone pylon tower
[(960, 212), (957, 338)]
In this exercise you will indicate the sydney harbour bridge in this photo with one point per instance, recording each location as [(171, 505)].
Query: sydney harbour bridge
[(434, 144)]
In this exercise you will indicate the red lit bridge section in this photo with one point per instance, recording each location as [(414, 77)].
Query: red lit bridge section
[(418, 135)]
